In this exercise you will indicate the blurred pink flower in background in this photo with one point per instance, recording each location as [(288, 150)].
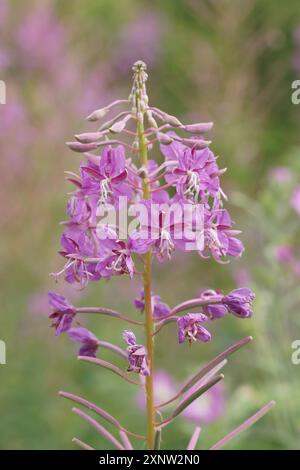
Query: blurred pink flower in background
[(4, 11), (38, 303), (295, 200), (241, 277), (39, 64), (206, 409), (284, 254), (165, 387), (14, 116), (41, 39), (140, 39), (280, 174), (5, 59)]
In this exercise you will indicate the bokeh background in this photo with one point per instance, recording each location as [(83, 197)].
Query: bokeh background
[(228, 61)]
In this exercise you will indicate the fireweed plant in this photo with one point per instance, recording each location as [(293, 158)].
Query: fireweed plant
[(177, 204)]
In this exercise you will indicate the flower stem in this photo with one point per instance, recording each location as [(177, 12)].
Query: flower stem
[(149, 324)]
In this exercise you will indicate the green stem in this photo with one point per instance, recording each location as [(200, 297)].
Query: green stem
[(149, 324)]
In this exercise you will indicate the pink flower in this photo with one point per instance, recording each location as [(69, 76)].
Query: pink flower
[(62, 312), (190, 328), (137, 356), (280, 174), (160, 309), (295, 200), (284, 254), (207, 408), (89, 342)]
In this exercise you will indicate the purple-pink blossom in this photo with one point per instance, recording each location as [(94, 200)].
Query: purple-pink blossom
[(284, 254), (89, 343), (295, 200), (62, 312), (190, 328), (239, 302), (137, 356), (159, 308)]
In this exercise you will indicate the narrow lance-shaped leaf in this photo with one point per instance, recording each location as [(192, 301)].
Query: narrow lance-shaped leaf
[(82, 444), (199, 383), (99, 428), (114, 348), (107, 312), (194, 439), (125, 440), (157, 439), (216, 360), (196, 394), (99, 411), (245, 425), (190, 398), (109, 366)]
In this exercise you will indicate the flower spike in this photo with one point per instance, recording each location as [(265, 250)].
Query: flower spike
[(177, 205)]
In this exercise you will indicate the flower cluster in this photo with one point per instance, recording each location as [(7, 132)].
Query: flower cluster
[(109, 177), (114, 174)]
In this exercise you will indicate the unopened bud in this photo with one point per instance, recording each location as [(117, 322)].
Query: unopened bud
[(98, 114), (80, 147), (118, 126), (135, 145), (172, 120), (164, 139), (88, 137), (198, 128), (151, 119), (196, 144), (106, 125)]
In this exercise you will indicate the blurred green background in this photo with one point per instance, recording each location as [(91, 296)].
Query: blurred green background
[(227, 61)]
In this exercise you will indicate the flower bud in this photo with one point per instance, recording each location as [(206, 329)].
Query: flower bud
[(118, 126), (88, 137), (196, 144), (151, 119), (164, 139), (198, 128), (172, 120), (98, 114), (80, 147)]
